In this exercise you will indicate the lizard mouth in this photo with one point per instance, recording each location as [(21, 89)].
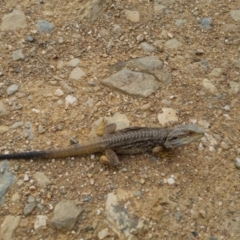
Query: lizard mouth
[(184, 140)]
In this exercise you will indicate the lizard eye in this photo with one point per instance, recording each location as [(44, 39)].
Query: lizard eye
[(191, 133)]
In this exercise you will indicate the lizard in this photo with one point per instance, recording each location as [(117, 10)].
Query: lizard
[(131, 140)]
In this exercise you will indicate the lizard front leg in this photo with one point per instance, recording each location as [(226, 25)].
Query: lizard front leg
[(105, 129), (162, 152)]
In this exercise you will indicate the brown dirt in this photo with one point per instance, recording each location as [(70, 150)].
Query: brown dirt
[(206, 181)]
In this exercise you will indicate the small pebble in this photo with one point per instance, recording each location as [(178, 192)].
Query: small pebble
[(70, 101), (145, 107), (16, 125), (16, 167), (178, 215), (227, 107), (41, 129), (103, 233), (29, 208), (137, 194), (26, 178), (59, 92), (206, 23), (31, 199), (142, 181), (18, 55), (237, 163), (224, 146), (140, 38), (30, 38), (91, 181), (12, 89), (45, 26), (170, 181), (72, 164)]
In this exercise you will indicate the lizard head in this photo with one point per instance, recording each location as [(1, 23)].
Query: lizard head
[(182, 135)]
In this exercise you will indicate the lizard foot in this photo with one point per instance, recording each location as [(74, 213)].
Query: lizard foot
[(101, 127), (110, 159), (162, 152), (105, 129)]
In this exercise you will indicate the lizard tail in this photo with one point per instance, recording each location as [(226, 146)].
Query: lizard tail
[(71, 151)]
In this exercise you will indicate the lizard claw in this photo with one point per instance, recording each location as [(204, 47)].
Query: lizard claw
[(101, 127)]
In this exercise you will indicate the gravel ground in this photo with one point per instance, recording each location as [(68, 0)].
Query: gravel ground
[(46, 100)]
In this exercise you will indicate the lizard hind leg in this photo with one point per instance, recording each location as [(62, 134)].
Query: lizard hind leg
[(110, 159)]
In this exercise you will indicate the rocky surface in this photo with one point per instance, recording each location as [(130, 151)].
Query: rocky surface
[(181, 61)]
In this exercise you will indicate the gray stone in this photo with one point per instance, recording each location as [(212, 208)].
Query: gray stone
[(30, 38), (204, 123), (42, 179), (41, 129), (41, 222), (28, 131), (31, 199), (147, 47), (206, 23), (235, 14), (237, 163), (132, 83), (140, 38), (14, 20), (124, 221), (3, 110), (180, 22), (29, 208), (3, 129), (70, 101), (103, 233), (73, 62), (236, 63), (17, 125), (178, 215), (15, 197), (66, 87), (209, 86), (216, 72), (12, 89), (89, 103), (6, 179), (104, 33), (76, 74), (150, 65), (158, 8), (132, 16), (65, 215), (9, 226), (18, 55), (172, 44), (117, 30), (168, 115), (91, 10), (234, 87), (137, 194), (45, 26)]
